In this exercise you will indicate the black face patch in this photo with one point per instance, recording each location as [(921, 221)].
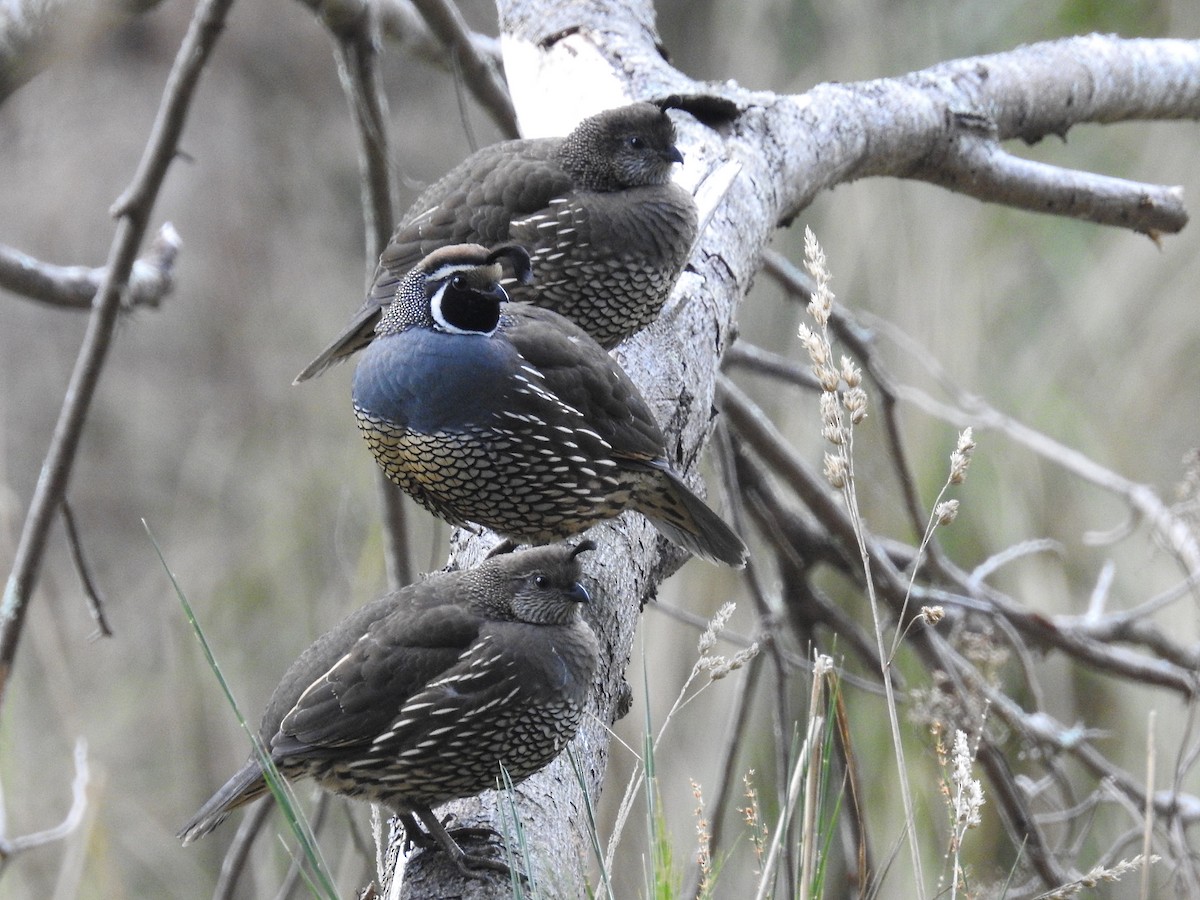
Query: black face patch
[(462, 308)]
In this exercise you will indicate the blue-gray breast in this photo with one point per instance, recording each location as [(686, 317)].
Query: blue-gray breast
[(509, 416)]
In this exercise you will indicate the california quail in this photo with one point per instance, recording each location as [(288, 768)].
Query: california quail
[(418, 698), (608, 230), (510, 416)]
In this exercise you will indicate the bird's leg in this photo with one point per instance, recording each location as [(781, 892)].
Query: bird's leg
[(416, 836), (436, 833), (413, 835)]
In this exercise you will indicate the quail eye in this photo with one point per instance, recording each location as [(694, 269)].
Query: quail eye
[(635, 142), (542, 581)]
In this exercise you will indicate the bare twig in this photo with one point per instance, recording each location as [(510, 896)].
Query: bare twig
[(943, 125), (973, 163), (400, 21), (769, 606), (74, 287), (355, 47), (28, 29), (133, 209), (357, 63), (968, 409), (10, 847), (90, 589), (740, 709), (478, 70), (238, 854), (763, 362), (1148, 828)]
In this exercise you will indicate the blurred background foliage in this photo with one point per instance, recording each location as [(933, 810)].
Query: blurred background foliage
[(262, 495)]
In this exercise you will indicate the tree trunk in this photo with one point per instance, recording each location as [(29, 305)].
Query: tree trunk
[(757, 163)]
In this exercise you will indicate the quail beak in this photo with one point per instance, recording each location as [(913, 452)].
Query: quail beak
[(673, 155), (580, 594)]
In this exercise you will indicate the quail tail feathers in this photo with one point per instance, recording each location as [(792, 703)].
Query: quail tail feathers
[(687, 521), (355, 336), (236, 792)]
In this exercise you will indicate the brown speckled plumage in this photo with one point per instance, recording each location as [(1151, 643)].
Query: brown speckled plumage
[(514, 418), (418, 698), (607, 229)]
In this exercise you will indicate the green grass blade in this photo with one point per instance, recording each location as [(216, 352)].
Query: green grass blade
[(592, 829), (509, 815), (275, 782)]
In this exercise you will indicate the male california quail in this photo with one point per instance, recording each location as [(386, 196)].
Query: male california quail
[(606, 227), (510, 416), (418, 698)]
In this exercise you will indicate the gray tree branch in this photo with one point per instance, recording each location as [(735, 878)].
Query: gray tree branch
[(478, 68), (789, 149), (356, 49), (75, 287), (944, 125), (133, 208)]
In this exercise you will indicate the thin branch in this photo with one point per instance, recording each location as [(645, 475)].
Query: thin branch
[(28, 29), (1174, 531), (233, 864), (133, 208), (90, 589), (1132, 629), (74, 287), (973, 163), (397, 557), (478, 69), (438, 35), (752, 358), (356, 50), (399, 21), (943, 125), (739, 717), (10, 847)]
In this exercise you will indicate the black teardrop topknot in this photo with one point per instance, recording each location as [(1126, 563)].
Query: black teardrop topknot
[(518, 259)]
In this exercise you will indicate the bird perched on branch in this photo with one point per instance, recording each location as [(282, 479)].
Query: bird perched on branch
[(608, 230), (419, 698), (510, 416)]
